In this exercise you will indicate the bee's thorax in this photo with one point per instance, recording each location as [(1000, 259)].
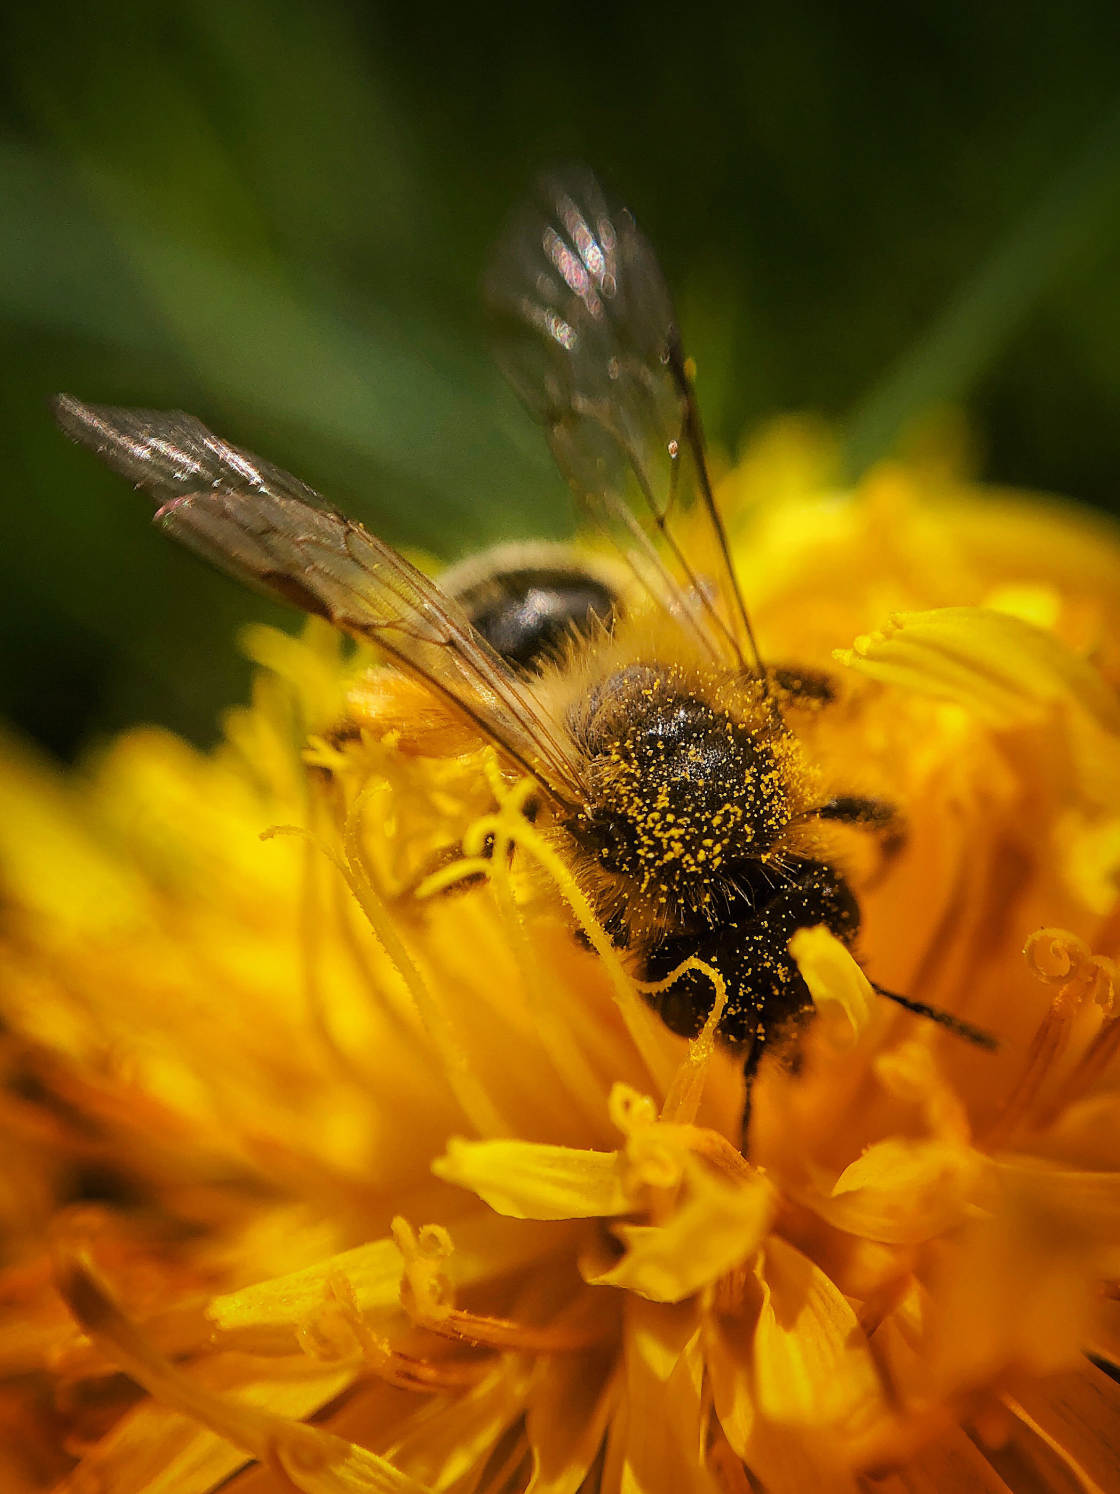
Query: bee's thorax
[(681, 790)]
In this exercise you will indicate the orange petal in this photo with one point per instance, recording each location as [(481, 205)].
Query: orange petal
[(1077, 1415), (569, 1404), (448, 1439), (316, 1462), (657, 1440)]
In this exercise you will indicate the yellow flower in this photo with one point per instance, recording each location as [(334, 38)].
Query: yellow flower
[(330, 1149)]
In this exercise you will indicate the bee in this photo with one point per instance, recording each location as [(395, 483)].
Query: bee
[(659, 742)]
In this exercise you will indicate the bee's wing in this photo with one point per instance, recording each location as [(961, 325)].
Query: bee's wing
[(587, 336), (273, 532)]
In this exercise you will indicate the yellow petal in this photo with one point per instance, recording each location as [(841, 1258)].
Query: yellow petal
[(531, 1180), (271, 1316), (997, 666), (783, 1459), (1086, 1133), (156, 1449), (271, 1313), (1011, 675), (951, 1464), (728, 1359), (1078, 1205), (53, 859), (1022, 1275), (812, 1365), (715, 1228)]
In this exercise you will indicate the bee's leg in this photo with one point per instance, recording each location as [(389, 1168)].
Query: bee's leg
[(811, 687), (405, 898), (876, 815), (452, 853), (980, 1037), (745, 1125), (782, 1044), (852, 809), (751, 1060)]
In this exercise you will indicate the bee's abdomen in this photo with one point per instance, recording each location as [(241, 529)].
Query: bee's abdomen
[(527, 601), (766, 995)]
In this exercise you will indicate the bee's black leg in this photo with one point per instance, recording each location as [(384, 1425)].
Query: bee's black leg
[(978, 1036), (852, 809), (868, 814), (450, 854), (785, 1041), (813, 687), (750, 1068)]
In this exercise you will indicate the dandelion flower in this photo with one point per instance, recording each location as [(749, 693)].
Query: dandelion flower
[(337, 1162)]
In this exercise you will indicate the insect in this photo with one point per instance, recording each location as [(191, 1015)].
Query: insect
[(659, 741), (526, 600)]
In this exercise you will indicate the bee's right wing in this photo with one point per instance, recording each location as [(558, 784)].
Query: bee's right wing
[(587, 336), (273, 532)]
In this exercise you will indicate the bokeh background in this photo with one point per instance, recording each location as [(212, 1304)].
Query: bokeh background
[(275, 215)]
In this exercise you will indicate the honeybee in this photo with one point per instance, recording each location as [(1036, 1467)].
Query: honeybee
[(658, 740)]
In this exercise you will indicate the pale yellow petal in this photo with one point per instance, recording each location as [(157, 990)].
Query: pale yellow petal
[(531, 1180), (271, 1316), (902, 1192), (999, 667), (841, 992), (270, 1313)]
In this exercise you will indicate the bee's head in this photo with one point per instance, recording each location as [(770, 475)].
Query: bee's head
[(681, 790)]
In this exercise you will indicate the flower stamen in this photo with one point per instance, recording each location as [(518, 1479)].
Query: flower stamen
[(682, 1100), (540, 995), (339, 1330), (469, 1091), (639, 1020), (427, 1295), (1059, 958)]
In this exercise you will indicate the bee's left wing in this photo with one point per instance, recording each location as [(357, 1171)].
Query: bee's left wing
[(273, 532), (587, 335)]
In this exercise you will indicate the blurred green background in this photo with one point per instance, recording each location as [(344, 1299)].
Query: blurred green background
[(276, 215)]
